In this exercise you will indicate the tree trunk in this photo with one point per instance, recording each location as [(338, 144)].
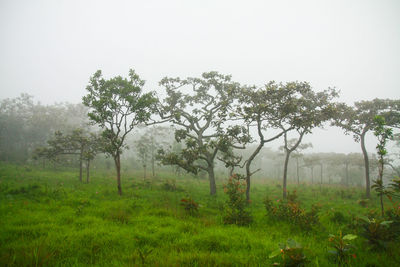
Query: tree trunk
[(211, 177), (248, 173), (117, 161), (297, 170), (285, 169), (153, 169), (366, 164), (87, 171), (144, 172), (312, 175), (320, 184), (347, 174), (80, 166)]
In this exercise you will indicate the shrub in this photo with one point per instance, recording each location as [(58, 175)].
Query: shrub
[(236, 205), (292, 197), (343, 249), (292, 212), (363, 202), (393, 215), (292, 254), (169, 185), (338, 217), (190, 206), (377, 232)]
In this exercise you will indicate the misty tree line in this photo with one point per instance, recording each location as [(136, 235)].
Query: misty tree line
[(215, 121)]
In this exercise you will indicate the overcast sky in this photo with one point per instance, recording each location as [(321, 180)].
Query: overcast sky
[(49, 49)]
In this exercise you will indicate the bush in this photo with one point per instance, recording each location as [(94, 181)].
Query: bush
[(236, 205), (338, 217), (292, 212), (190, 206), (363, 202), (343, 249), (169, 185), (377, 232), (292, 254)]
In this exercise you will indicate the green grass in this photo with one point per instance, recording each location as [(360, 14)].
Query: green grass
[(49, 218)]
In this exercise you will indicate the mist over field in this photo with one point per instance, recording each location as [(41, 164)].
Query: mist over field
[(212, 133)]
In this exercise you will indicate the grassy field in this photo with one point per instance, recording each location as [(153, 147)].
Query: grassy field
[(49, 218)]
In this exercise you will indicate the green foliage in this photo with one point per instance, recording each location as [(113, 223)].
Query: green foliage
[(343, 248), (291, 254)]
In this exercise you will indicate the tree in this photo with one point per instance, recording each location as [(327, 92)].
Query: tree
[(308, 110), (359, 120), (25, 125), (84, 145), (143, 146), (198, 117), (390, 161), (310, 161), (281, 108), (118, 105), (297, 154), (383, 134)]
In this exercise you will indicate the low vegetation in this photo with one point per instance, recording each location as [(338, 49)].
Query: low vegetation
[(49, 218)]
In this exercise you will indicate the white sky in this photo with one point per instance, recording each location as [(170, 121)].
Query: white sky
[(49, 49)]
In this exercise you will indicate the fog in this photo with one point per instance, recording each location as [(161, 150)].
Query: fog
[(49, 49)]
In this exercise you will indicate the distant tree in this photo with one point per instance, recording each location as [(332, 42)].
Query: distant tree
[(297, 155), (359, 120), (26, 125), (143, 147), (396, 156), (310, 161), (78, 143), (118, 105), (199, 117)]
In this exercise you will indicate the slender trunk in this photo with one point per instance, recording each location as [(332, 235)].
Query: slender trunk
[(380, 173), (248, 172), (87, 171), (144, 172), (312, 175), (153, 169), (285, 173), (211, 177), (231, 171), (320, 184), (366, 164), (117, 161), (347, 174), (80, 165), (297, 170)]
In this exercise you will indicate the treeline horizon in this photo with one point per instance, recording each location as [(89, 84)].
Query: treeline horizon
[(209, 120)]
